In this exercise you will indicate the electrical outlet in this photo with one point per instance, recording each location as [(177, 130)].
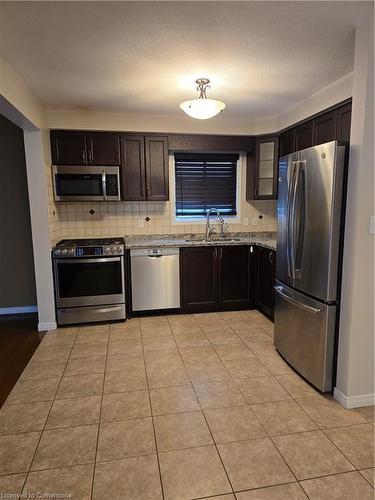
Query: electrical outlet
[(246, 221), (141, 223), (254, 221)]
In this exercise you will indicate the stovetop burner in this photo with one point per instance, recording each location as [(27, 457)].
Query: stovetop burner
[(91, 242)]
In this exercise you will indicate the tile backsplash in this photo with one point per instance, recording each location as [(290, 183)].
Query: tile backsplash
[(95, 220)]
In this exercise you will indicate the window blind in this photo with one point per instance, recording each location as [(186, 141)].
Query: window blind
[(205, 181)]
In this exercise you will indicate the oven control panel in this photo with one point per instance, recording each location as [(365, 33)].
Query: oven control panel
[(78, 251)]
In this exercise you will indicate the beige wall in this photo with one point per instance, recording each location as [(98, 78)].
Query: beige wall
[(14, 89), (328, 96), (152, 123), (355, 381)]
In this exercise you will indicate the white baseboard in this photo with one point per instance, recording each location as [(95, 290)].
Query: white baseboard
[(349, 402), (18, 310), (42, 327)]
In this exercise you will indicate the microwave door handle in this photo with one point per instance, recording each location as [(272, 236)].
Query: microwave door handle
[(104, 185)]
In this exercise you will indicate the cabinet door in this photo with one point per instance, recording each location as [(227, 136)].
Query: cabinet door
[(234, 265), (266, 158), (68, 148), (133, 168), (304, 136), (325, 128), (265, 280), (103, 149), (288, 142), (344, 116), (199, 279), (156, 150)]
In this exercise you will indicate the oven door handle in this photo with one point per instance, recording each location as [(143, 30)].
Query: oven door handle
[(88, 261)]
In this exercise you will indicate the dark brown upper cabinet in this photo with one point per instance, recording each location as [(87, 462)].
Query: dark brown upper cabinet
[(157, 175), (325, 128), (344, 116), (68, 148), (287, 142), (133, 170), (84, 148), (103, 149), (144, 168), (304, 136), (262, 170)]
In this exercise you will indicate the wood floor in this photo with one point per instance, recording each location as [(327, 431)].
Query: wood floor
[(19, 339)]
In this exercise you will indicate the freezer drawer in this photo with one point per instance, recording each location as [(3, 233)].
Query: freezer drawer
[(155, 277), (304, 335)]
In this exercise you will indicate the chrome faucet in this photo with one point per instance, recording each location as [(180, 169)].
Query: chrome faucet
[(211, 230)]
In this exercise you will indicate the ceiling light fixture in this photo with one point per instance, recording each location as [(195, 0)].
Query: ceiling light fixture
[(202, 108)]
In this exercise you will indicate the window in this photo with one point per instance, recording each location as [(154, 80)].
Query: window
[(205, 181)]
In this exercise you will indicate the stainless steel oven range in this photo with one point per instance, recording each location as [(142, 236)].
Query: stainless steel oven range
[(89, 280)]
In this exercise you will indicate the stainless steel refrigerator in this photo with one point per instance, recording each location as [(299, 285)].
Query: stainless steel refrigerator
[(310, 222)]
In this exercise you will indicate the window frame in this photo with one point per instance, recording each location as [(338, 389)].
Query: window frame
[(201, 220)]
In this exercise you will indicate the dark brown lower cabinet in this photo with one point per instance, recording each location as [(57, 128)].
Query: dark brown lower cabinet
[(234, 283), (215, 278), (265, 278), (199, 279)]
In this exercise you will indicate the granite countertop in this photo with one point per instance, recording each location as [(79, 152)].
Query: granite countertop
[(266, 239)]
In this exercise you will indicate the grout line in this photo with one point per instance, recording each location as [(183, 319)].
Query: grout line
[(49, 412), (269, 437), (100, 415), (152, 414), (209, 429)]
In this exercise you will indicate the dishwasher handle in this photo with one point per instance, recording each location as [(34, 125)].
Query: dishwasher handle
[(154, 256)]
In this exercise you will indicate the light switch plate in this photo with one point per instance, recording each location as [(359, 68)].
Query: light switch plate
[(246, 221), (254, 221), (141, 223), (371, 228)]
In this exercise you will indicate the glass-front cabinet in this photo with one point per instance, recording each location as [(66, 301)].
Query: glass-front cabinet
[(262, 170)]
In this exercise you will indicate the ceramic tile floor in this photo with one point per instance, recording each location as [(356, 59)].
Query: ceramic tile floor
[(178, 407)]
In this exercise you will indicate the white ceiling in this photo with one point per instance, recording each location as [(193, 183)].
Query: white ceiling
[(143, 57)]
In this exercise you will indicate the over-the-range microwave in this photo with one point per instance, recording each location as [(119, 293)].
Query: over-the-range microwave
[(86, 183)]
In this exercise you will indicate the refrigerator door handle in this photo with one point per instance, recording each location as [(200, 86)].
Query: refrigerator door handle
[(288, 220), (279, 289), (299, 210)]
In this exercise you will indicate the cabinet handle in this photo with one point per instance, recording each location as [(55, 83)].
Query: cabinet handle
[(215, 253), (221, 253), (270, 257), (251, 249), (90, 156), (142, 191), (256, 192), (84, 156)]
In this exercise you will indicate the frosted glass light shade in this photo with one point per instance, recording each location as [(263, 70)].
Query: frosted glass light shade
[(202, 108)]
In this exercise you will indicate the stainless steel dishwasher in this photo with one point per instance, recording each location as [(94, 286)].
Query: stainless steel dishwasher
[(155, 277)]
